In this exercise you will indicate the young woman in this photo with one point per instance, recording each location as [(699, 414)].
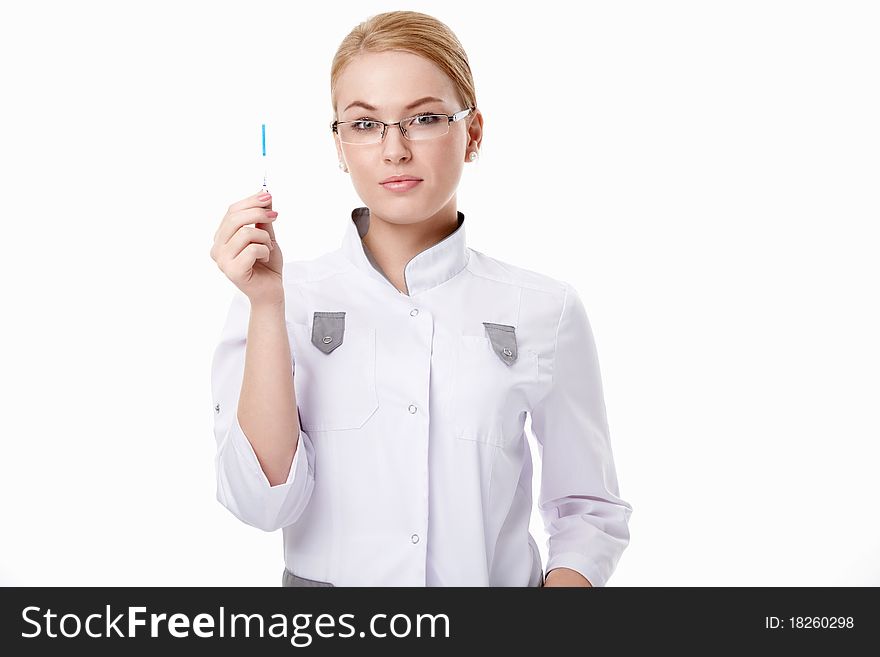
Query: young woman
[(372, 402)]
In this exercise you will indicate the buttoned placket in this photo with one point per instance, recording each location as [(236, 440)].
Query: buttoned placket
[(425, 270), (425, 439)]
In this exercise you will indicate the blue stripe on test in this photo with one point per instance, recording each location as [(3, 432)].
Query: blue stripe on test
[(264, 140)]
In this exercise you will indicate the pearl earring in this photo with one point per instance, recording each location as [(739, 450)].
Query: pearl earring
[(342, 166), (473, 156)]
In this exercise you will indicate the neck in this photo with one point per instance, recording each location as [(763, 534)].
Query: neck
[(393, 245)]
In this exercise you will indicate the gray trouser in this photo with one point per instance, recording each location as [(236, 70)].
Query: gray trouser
[(289, 579)]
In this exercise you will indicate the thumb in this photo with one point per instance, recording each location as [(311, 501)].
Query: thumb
[(269, 228)]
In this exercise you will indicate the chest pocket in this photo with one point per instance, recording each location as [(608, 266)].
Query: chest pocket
[(334, 372), (492, 379)]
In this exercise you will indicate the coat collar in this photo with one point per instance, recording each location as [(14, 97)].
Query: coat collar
[(427, 269)]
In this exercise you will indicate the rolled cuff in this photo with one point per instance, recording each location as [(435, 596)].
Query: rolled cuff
[(246, 451), (244, 489)]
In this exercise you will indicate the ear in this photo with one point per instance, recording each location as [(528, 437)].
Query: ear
[(339, 154), (475, 129)]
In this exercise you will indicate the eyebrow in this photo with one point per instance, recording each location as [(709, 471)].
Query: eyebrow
[(420, 101)]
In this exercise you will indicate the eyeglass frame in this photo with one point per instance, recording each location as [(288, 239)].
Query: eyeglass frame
[(452, 118)]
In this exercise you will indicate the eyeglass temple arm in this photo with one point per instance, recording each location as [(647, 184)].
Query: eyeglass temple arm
[(460, 115)]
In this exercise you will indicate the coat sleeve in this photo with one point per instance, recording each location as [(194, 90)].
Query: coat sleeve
[(586, 520), (242, 486)]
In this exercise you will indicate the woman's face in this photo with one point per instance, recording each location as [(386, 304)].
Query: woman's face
[(390, 82)]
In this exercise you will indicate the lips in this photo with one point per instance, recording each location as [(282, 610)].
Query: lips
[(399, 179), (400, 186)]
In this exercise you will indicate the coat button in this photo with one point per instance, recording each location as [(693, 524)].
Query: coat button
[(412, 408), (328, 339), (415, 538), (414, 312), (507, 352)]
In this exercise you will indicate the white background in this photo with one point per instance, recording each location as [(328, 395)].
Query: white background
[(704, 173)]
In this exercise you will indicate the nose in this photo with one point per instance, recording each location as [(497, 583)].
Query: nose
[(395, 146)]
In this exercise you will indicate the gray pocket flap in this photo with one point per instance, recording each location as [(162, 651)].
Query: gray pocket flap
[(503, 339), (328, 330)]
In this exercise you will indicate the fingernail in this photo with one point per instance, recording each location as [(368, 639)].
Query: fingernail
[(264, 197), (272, 213)]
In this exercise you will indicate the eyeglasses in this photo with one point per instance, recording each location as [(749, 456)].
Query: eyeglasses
[(415, 128)]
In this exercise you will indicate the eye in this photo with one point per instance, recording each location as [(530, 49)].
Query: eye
[(426, 118), (363, 124)]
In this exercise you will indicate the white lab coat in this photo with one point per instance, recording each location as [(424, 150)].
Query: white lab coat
[(412, 467)]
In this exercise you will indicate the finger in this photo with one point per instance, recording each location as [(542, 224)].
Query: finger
[(245, 261), (245, 235), (232, 222), (250, 202), (253, 201)]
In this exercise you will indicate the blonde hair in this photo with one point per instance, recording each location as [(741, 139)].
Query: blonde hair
[(413, 32)]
